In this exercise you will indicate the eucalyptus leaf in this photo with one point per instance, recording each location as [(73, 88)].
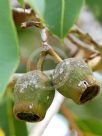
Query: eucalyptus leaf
[(9, 56), (21, 2), (96, 7), (90, 126), (58, 15)]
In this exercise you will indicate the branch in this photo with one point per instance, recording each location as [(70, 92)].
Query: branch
[(81, 44), (47, 48), (86, 38), (26, 18)]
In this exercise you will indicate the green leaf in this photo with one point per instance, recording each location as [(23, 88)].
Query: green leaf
[(58, 15), (89, 109), (9, 57), (90, 126), (8, 123), (96, 7), (21, 2)]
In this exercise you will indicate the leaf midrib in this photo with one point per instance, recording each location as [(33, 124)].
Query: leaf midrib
[(62, 16)]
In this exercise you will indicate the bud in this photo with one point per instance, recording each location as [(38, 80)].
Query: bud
[(32, 96), (73, 78)]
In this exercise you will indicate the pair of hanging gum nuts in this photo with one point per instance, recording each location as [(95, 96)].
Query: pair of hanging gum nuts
[(34, 91)]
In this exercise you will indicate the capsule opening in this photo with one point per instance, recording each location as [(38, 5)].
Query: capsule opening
[(29, 117), (89, 93)]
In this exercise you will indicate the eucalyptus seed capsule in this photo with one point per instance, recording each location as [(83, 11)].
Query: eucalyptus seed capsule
[(33, 94), (73, 78)]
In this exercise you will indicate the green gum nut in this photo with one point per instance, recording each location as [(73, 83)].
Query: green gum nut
[(74, 79), (33, 95)]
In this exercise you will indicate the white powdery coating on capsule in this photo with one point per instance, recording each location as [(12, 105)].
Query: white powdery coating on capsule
[(48, 97), (44, 35), (83, 84), (22, 90), (61, 70), (30, 79), (81, 65), (30, 106), (23, 86), (67, 62)]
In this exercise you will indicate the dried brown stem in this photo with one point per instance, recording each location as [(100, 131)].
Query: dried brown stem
[(95, 63), (81, 44), (31, 24), (86, 38), (54, 55), (26, 18)]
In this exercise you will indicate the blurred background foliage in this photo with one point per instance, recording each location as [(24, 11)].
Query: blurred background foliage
[(88, 116), (96, 7), (9, 125)]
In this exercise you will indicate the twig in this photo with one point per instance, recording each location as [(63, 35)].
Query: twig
[(31, 23), (41, 60), (47, 48), (95, 63), (81, 44), (69, 115), (54, 55), (86, 37), (26, 18), (25, 60)]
